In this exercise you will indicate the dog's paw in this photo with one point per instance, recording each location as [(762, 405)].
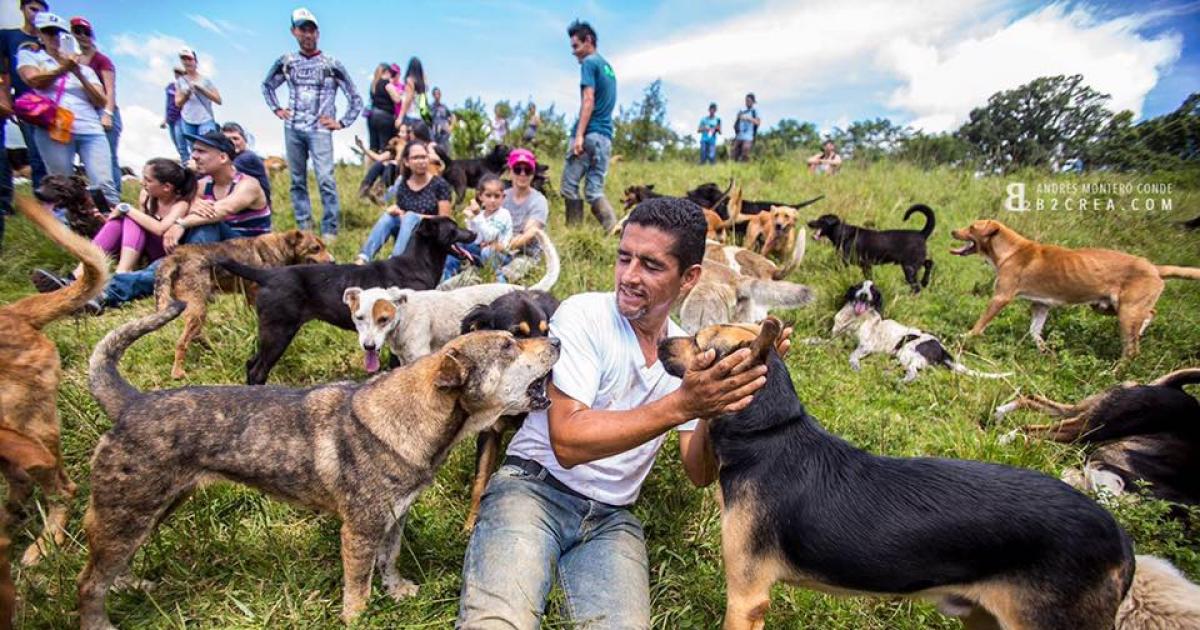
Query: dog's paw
[(401, 589)]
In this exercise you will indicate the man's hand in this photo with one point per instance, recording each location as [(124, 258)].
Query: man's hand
[(329, 123), (106, 121), (712, 389), (204, 208), (577, 145), (283, 114), (394, 210), (171, 237)]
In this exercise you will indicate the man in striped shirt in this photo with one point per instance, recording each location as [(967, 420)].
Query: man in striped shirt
[(309, 121)]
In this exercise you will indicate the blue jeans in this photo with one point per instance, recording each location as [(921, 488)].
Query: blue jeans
[(708, 151), (486, 257), (126, 287), (199, 130), (92, 149), (527, 529), (114, 138), (592, 164), (318, 144), (36, 164), (386, 227), (175, 130)]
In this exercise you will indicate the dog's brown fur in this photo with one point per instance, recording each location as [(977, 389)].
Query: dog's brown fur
[(70, 192), (748, 263), (190, 274), (30, 372), (275, 164), (773, 232), (360, 451), (25, 459), (1109, 280)]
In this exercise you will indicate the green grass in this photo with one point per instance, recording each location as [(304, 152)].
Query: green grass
[(231, 558)]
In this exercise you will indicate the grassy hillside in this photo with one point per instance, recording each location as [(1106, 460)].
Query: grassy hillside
[(230, 558)]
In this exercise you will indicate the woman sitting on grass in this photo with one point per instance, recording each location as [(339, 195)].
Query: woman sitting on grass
[(415, 195), (493, 228)]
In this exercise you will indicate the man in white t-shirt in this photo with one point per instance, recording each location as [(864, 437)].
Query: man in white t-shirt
[(560, 503)]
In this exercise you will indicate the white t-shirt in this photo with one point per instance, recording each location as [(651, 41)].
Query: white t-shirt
[(74, 98), (601, 366), (197, 109)]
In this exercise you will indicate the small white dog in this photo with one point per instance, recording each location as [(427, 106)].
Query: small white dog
[(415, 323), (915, 349)]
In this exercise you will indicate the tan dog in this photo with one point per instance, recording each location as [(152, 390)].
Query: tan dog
[(275, 164), (192, 275), (24, 459), (723, 296), (1049, 275), (29, 376), (751, 264), (773, 232)]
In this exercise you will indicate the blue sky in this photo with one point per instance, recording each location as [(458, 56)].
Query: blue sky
[(921, 63)]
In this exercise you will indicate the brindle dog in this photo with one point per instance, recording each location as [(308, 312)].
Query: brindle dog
[(361, 451)]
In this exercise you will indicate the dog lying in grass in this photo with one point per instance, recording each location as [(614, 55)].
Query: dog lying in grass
[(1003, 547), (862, 314), (722, 295), (866, 247), (1133, 433), (30, 372), (361, 451)]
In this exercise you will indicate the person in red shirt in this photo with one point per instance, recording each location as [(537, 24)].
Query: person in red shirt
[(110, 118)]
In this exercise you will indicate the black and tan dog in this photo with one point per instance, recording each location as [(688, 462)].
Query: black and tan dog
[(1135, 433), (525, 314), (360, 451), (1002, 546), (71, 194), (866, 247)]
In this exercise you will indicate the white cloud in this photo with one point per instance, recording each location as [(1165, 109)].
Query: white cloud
[(205, 23), (141, 139), (942, 84), (150, 58)]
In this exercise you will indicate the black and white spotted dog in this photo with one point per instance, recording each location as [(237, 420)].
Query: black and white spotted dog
[(861, 312)]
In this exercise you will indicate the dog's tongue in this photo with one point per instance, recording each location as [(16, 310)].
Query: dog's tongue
[(859, 308), (372, 361), (962, 251)]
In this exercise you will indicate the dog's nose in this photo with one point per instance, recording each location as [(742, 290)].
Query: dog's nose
[(368, 347), (554, 342)]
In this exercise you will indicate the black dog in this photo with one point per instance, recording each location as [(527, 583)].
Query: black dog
[(1134, 433), (804, 506), (706, 195), (525, 314), (867, 247), (463, 174), (85, 209), (290, 296)]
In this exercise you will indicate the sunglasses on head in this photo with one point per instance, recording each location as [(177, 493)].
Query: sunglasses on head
[(522, 170)]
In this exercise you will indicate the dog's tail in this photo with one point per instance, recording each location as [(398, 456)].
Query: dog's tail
[(1159, 597), (1171, 271), (553, 265), (962, 369), (1178, 378), (776, 293), (735, 206), (811, 202), (257, 275), (41, 309), (929, 220), (108, 387)]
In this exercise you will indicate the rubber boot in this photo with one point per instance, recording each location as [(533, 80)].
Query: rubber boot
[(604, 214), (574, 211)]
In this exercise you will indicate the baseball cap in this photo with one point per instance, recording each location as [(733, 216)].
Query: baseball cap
[(47, 20), (187, 52), (216, 140), (302, 15), (82, 21), (522, 156)]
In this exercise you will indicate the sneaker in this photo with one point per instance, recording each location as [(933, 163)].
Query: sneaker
[(93, 307), (361, 260), (47, 282)]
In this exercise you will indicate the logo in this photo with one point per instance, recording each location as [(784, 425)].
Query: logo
[(1015, 201)]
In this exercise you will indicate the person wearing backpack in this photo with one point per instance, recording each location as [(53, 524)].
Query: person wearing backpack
[(309, 121), (745, 130), (415, 106)]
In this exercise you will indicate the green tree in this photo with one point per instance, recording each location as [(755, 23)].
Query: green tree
[(932, 150), (1039, 124), (1168, 141), (869, 140), (471, 129), (787, 136), (641, 131)]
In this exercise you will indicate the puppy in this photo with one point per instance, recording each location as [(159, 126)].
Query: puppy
[(862, 313), (1134, 433), (1111, 282), (866, 247), (191, 274), (70, 193), (1005, 547), (525, 314), (361, 451), (29, 376), (723, 295), (275, 164)]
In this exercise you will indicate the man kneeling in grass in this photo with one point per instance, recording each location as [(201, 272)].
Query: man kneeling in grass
[(561, 501)]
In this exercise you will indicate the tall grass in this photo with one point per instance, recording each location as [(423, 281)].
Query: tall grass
[(230, 558)]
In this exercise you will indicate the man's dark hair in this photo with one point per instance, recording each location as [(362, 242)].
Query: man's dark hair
[(681, 219), (235, 128), (44, 3), (582, 31)]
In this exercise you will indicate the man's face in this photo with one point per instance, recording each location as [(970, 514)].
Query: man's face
[(188, 63), (580, 48), (236, 138), (31, 10), (749, 102), (208, 160), (712, 111), (437, 95), (829, 148), (306, 36), (648, 279)]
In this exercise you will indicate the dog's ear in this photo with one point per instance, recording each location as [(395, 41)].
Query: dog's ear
[(350, 297), (478, 318), (453, 371), (988, 228), (397, 296), (293, 238), (767, 336)]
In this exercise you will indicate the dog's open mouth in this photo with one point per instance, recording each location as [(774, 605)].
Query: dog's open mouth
[(371, 360), (538, 398), (965, 250)]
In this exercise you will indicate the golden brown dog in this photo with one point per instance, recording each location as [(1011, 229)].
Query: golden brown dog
[(275, 164), (191, 274), (773, 232), (748, 263), (29, 375), (1049, 275)]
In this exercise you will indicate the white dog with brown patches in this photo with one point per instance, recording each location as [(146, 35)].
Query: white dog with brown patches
[(414, 323)]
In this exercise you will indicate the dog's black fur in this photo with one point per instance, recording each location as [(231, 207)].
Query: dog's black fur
[(85, 208), (866, 247), (463, 174), (1193, 224), (706, 195), (755, 207), (861, 522), (290, 296)]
